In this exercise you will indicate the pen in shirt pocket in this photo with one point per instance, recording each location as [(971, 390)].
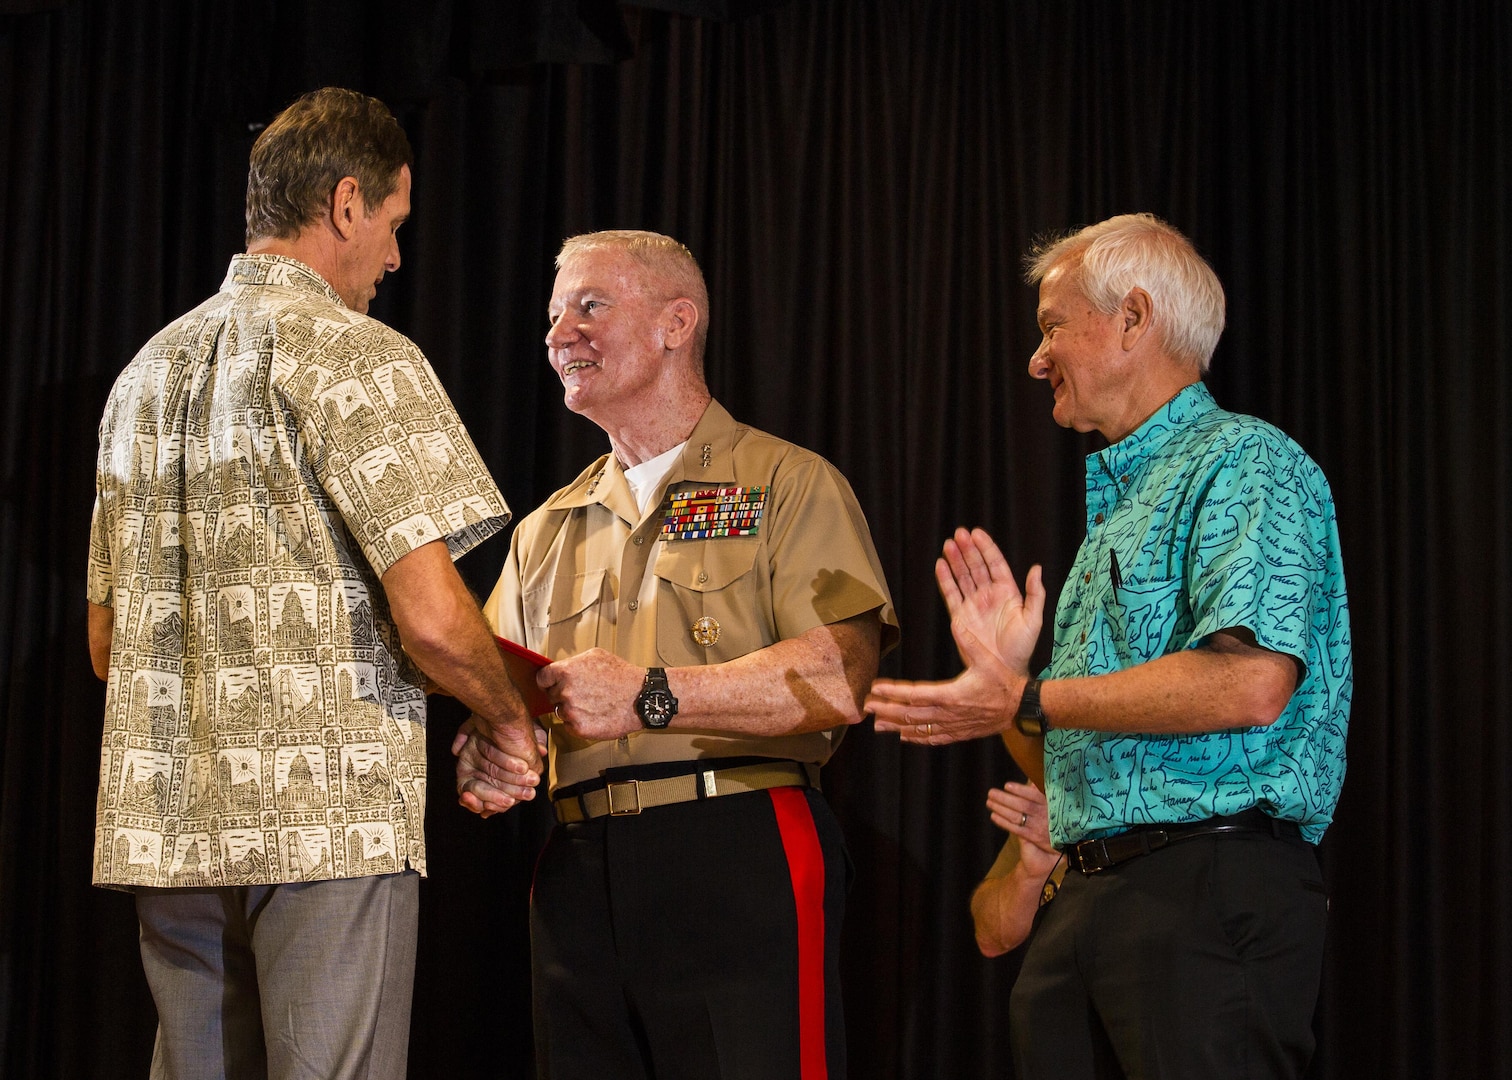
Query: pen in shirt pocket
[(1114, 577)]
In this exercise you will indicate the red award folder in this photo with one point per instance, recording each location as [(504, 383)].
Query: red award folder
[(522, 664)]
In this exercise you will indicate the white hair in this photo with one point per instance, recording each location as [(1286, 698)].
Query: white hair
[(1140, 250)]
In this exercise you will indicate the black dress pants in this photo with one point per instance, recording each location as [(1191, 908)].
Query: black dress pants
[(1201, 961), (699, 940)]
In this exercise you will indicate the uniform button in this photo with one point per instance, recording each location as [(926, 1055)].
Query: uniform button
[(635, 604), (639, 540), (1098, 519), (702, 577)]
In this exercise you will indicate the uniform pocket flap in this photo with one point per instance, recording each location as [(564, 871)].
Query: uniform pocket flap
[(707, 565), (562, 597)]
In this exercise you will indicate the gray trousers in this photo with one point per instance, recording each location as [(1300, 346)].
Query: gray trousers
[(306, 981)]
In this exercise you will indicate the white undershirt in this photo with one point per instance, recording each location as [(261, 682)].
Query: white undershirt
[(645, 479)]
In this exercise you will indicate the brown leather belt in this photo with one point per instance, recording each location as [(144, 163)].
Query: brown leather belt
[(1094, 856), (621, 798)]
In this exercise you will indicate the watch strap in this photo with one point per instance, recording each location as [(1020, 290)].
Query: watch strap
[(1030, 718)]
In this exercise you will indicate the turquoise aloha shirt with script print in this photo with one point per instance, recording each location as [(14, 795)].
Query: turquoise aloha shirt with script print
[(1214, 520)]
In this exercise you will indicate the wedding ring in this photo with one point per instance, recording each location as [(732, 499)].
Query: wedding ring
[(1023, 820)]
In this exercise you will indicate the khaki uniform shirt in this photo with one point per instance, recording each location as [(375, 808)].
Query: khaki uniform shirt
[(263, 461), (587, 569)]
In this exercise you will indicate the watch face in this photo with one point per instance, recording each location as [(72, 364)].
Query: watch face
[(1029, 725), (656, 707)]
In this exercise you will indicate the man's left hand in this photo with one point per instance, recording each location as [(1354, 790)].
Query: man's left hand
[(595, 693), (979, 701), (1020, 810)]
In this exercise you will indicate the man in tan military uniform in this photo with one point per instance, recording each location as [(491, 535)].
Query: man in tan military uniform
[(714, 609)]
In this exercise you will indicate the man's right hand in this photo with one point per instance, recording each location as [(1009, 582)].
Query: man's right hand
[(497, 768)]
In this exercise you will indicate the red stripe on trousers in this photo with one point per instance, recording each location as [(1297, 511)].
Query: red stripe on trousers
[(800, 840)]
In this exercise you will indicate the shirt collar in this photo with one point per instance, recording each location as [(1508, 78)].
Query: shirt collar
[(708, 458), (1147, 441), (278, 270)]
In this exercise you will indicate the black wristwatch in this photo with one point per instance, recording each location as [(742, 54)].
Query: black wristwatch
[(655, 704), (1030, 718)]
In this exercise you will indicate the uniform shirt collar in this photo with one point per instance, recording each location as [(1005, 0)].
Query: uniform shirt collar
[(707, 459), (709, 456)]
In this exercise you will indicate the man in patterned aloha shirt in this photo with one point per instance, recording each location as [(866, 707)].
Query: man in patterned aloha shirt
[(1194, 711), (282, 487)]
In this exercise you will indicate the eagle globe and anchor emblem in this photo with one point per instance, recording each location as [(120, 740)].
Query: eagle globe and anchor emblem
[(706, 631)]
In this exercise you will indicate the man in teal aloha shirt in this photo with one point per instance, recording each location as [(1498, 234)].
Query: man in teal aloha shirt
[(1194, 712)]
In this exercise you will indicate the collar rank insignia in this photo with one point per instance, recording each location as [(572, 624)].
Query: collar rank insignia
[(714, 512)]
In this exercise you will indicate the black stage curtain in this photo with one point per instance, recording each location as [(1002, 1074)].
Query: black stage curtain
[(860, 180)]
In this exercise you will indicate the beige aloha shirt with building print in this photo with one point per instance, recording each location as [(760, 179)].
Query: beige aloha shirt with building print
[(263, 461)]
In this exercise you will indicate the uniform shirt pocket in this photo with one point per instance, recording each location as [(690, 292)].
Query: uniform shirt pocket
[(567, 610), (711, 605)]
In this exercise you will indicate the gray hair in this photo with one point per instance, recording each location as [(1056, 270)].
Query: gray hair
[(667, 259), (1130, 250)]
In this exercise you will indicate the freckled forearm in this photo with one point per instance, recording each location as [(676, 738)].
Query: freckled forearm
[(1194, 691), (813, 682)]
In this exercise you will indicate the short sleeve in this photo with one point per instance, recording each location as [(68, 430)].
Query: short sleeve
[(1259, 545), (824, 567), (389, 449), (100, 581), (503, 608)]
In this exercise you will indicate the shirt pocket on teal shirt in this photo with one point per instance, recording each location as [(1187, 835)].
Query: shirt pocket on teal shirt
[(1136, 622)]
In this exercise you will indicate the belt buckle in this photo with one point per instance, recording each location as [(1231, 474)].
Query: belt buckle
[(621, 785), (1099, 863)]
